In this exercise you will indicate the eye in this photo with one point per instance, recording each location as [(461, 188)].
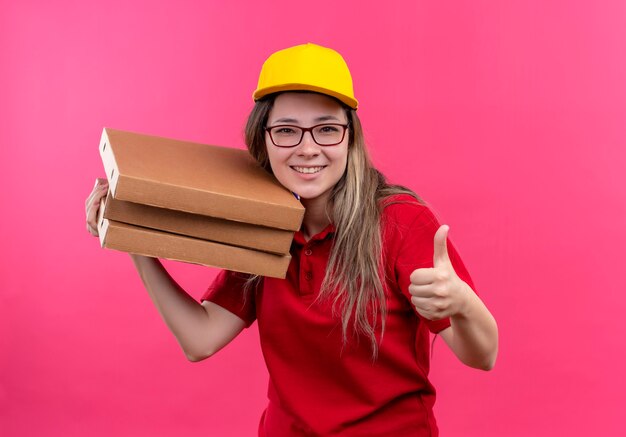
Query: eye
[(329, 129), (283, 130)]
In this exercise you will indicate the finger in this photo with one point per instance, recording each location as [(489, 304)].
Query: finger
[(432, 309), (93, 231), (92, 209), (91, 217), (440, 255), (423, 276), (422, 291), (96, 192), (100, 181), (92, 212), (424, 308)]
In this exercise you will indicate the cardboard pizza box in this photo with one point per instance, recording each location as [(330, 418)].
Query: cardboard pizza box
[(196, 178), (149, 242), (198, 226)]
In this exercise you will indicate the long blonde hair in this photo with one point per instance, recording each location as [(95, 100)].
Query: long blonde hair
[(355, 273)]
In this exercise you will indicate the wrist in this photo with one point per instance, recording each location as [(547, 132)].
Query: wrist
[(466, 299), (142, 259)]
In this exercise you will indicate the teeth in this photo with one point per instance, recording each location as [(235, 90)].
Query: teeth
[(307, 170)]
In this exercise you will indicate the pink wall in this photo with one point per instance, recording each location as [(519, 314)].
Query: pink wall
[(508, 117)]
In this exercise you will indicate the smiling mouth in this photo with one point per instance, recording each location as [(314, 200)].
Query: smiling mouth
[(308, 170)]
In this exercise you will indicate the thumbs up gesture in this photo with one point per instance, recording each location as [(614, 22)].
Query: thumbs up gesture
[(438, 292)]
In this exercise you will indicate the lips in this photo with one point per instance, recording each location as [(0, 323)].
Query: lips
[(308, 169)]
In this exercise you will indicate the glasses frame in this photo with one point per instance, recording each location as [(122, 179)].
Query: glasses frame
[(310, 130)]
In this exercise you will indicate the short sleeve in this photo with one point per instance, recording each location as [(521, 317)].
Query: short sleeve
[(228, 291), (416, 251)]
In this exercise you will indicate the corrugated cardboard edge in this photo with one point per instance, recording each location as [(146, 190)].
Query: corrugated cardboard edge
[(148, 242), (101, 222), (108, 161), (162, 195)]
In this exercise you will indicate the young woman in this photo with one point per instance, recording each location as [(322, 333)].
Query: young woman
[(346, 335)]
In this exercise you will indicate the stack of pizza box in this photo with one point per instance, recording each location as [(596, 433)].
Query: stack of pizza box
[(195, 203)]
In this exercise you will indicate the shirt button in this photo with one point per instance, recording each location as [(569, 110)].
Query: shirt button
[(308, 252), (308, 276)]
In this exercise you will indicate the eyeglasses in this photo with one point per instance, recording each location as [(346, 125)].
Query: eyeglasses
[(287, 135)]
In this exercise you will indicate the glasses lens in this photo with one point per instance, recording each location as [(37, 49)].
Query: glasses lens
[(328, 134), (286, 136)]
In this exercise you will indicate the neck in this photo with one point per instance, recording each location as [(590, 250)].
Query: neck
[(315, 216)]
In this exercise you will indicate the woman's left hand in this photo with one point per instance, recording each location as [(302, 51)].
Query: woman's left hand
[(438, 292)]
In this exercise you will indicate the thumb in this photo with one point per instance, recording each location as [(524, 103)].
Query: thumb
[(440, 256)]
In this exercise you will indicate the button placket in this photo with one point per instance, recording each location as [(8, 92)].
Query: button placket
[(306, 269)]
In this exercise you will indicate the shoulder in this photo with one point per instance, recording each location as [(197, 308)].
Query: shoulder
[(404, 210), (408, 226)]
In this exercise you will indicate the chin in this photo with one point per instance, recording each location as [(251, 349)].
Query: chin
[(306, 194), (307, 190), (310, 193)]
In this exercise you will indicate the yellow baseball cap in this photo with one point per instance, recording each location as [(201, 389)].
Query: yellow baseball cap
[(307, 67)]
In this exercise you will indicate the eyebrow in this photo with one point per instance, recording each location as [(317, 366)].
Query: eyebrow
[(318, 119)]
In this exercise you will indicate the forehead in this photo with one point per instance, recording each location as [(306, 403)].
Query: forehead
[(305, 107)]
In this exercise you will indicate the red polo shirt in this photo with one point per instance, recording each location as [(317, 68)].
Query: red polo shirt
[(319, 388)]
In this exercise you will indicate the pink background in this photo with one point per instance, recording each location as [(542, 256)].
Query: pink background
[(508, 117)]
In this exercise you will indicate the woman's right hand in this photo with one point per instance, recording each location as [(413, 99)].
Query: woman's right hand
[(201, 329), (92, 204)]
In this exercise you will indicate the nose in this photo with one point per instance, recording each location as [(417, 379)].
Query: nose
[(308, 147)]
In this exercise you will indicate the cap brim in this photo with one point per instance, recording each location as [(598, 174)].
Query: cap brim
[(260, 93)]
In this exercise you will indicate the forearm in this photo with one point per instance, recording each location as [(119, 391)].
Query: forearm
[(474, 337), (184, 316)]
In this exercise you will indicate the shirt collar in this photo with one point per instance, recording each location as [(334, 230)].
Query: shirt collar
[(298, 237)]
